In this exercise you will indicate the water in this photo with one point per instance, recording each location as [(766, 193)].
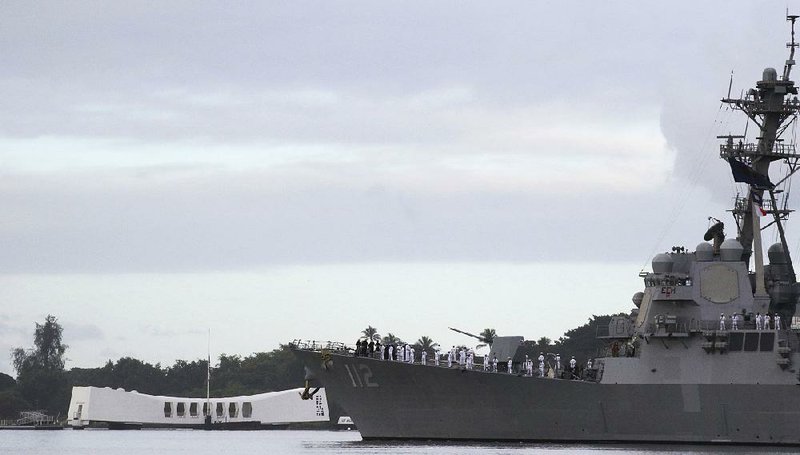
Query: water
[(70, 442)]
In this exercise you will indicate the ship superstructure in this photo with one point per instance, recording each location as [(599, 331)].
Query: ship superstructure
[(707, 354)]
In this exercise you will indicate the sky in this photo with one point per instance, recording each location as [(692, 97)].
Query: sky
[(271, 171)]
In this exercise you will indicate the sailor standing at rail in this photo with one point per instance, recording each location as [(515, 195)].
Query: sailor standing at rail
[(411, 354), (558, 363), (510, 366), (436, 357), (449, 359), (759, 321), (383, 351), (424, 357), (777, 321), (494, 363), (722, 321), (541, 364), (572, 364), (766, 321)]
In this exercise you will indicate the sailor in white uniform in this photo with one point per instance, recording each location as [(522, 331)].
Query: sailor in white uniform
[(510, 365), (766, 321), (449, 359), (424, 357), (722, 321), (436, 357), (777, 321), (734, 321), (383, 351), (759, 321), (572, 363), (391, 352), (541, 364)]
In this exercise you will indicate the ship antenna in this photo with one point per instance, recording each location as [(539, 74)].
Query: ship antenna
[(730, 85), (792, 46)]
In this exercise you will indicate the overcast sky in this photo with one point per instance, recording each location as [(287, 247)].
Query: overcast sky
[(274, 170)]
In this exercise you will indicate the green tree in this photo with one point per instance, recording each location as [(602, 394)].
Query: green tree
[(544, 344), (425, 344), (41, 379), (371, 333), (392, 339), (488, 336), (582, 342)]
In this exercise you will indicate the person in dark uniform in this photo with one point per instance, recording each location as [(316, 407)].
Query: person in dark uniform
[(358, 348), (371, 348)]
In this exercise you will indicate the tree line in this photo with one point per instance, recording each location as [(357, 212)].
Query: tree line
[(43, 382)]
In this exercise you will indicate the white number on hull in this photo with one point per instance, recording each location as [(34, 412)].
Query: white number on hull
[(361, 376)]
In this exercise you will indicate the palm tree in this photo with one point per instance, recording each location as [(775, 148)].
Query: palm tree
[(371, 333), (391, 339), (426, 344), (488, 336), (544, 344)]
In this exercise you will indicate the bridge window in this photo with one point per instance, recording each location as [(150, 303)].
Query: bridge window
[(205, 409), (167, 409), (193, 409), (247, 409), (180, 410), (220, 410), (232, 410)]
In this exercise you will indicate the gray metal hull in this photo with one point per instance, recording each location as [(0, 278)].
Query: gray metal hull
[(391, 400)]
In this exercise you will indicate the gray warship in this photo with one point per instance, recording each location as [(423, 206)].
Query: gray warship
[(694, 362)]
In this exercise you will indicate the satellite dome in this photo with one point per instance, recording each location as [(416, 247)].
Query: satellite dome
[(731, 250), (776, 255), (704, 252), (662, 263), (637, 299), (769, 75)]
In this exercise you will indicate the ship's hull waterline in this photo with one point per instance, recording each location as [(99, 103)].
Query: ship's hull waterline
[(393, 400)]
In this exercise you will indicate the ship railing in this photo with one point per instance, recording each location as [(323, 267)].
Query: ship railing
[(746, 150), (35, 418), (742, 204), (314, 345), (668, 280)]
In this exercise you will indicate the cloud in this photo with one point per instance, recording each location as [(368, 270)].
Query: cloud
[(77, 332)]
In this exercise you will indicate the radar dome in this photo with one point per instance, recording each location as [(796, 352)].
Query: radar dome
[(731, 250), (637, 299), (704, 252), (769, 75), (776, 255), (662, 263)]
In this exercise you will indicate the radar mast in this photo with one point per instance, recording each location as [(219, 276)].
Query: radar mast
[(772, 109)]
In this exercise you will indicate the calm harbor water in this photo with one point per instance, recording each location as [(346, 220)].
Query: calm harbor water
[(69, 442)]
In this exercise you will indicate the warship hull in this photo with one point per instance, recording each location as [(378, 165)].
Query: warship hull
[(393, 400)]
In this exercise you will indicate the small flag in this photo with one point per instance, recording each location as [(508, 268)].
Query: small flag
[(757, 204)]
